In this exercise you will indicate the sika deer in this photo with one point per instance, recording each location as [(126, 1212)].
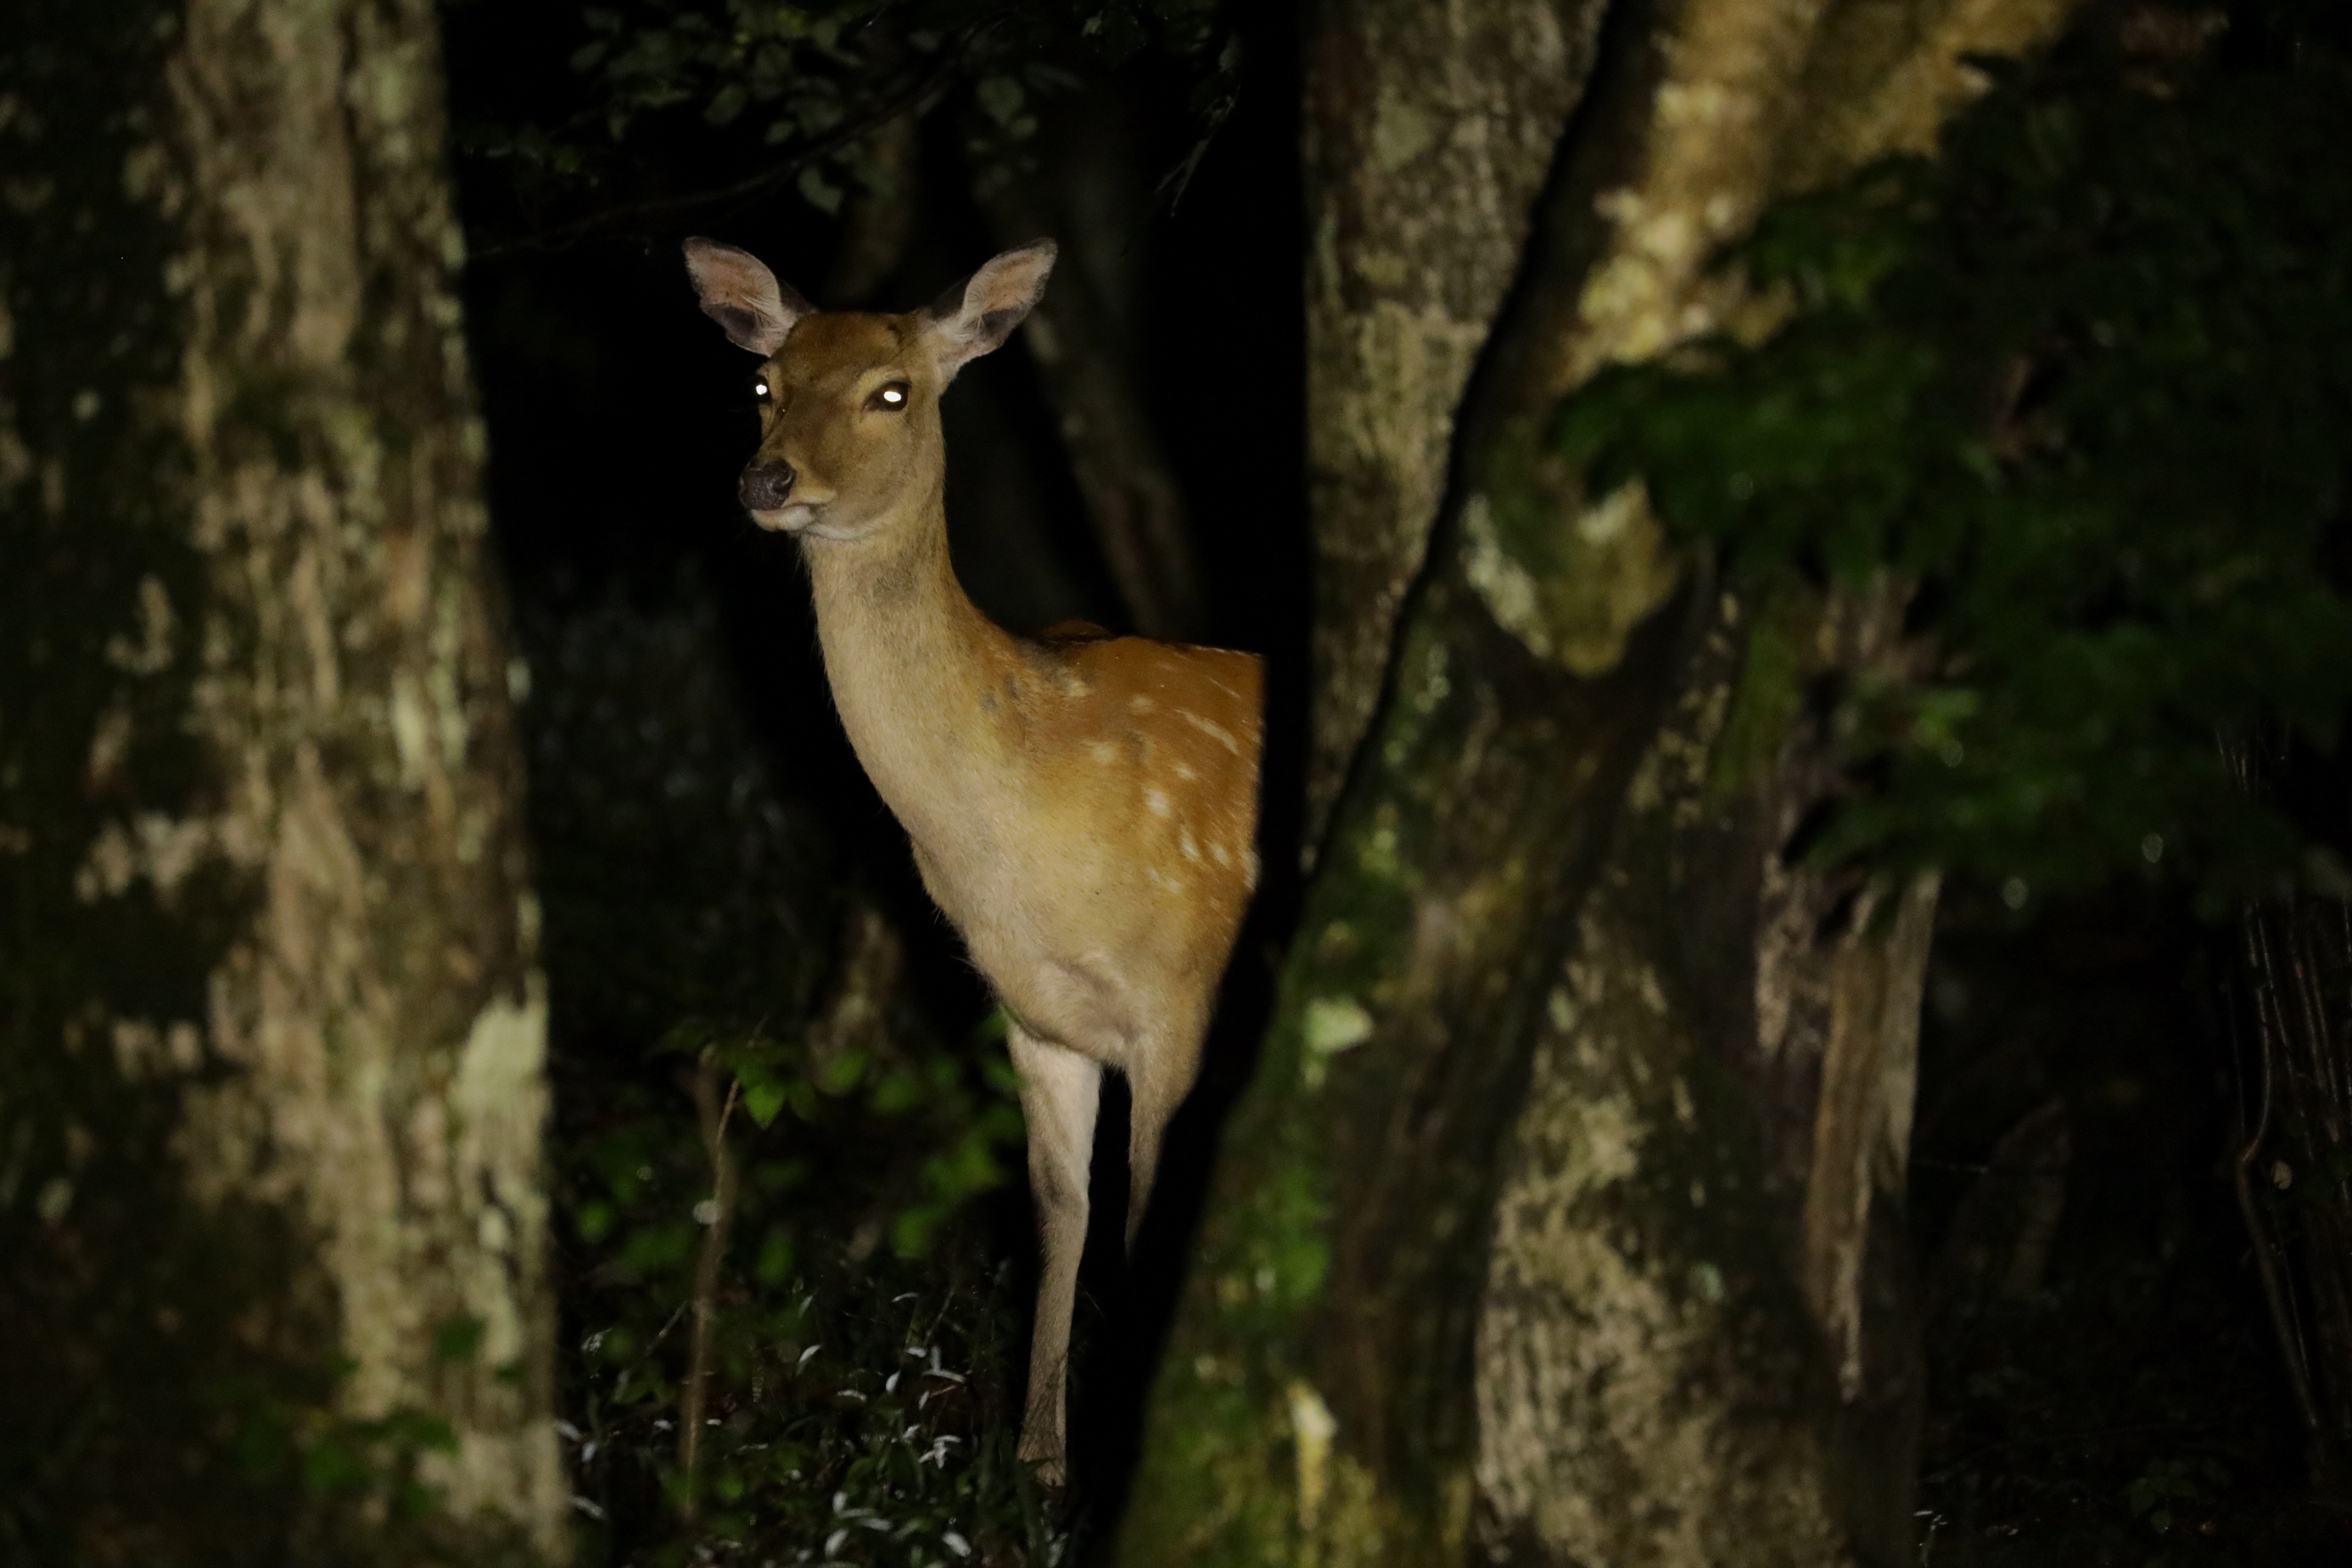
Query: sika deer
[(1083, 808)]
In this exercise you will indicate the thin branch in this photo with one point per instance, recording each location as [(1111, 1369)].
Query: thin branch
[(714, 1118), (2267, 1023)]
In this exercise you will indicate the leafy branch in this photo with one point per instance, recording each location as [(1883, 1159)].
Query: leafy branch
[(2083, 381)]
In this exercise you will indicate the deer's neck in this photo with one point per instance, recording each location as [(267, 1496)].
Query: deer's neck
[(916, 673)]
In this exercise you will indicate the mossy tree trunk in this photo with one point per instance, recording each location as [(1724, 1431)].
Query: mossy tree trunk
[(1562, 1222), (272, 1205)]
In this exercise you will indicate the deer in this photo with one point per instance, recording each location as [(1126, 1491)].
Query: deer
[(1082, 807)]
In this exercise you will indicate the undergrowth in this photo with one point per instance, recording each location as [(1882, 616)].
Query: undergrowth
[(718, 968), (859, 1401)]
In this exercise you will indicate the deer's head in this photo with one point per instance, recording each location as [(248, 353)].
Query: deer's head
[(849, 404)]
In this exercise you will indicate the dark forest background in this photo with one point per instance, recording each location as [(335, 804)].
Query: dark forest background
[(1997, 529)]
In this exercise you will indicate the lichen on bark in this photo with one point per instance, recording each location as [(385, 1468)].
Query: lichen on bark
[(1428, 128), (1696, 1343), (277, 935)]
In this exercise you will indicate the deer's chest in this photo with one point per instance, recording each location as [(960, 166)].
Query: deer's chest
[(1066, 946)]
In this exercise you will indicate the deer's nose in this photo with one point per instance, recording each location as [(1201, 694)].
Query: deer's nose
[(766, 486)]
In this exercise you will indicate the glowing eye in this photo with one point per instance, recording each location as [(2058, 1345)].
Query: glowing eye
[(759, 390), (893, 396), (889, 399)]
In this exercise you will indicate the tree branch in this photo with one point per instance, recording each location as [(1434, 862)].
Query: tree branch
[(915, 103), (694, 1396)]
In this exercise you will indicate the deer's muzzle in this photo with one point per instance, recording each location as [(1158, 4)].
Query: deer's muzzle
[(766, 486)]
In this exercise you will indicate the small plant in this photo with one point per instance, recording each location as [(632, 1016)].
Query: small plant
[(2167, 1486)]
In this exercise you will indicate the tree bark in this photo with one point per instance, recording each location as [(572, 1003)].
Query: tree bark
[(273, 1186), (1563, 1215), (1426, 134)]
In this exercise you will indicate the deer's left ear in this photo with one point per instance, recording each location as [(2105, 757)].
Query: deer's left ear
[(742, 296), (976, 318)]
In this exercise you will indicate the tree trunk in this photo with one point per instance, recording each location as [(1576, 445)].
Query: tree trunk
[(1426, 133), (1563, 1215), (270, 1167)]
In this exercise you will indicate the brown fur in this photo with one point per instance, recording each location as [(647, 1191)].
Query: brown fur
[(1083, 808)]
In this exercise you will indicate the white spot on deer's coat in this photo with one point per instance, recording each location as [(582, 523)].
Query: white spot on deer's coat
[(1138, 703), (1218, 853), (1210, 727), (1156, 802), (1185, 842), (1104, 752)]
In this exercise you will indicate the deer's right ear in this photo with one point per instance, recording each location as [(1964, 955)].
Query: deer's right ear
[(742, 295), (977, 315)]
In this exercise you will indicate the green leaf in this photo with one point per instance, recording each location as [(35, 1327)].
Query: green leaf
[(898, 1092), (775, 1263), (840, 1074), (819, 192), (726, 103), (762, 1100), (332, 1465), (999, 98)]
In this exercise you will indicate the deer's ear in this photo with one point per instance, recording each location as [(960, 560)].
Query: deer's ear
[(742, 295), (976, 317)]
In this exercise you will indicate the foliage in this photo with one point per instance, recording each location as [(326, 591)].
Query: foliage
[(776, 91), (946, 1132), (861, 1405), (2081, 387), (694, 909)]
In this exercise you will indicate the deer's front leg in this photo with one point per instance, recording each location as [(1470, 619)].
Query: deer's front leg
[(1060, 1091)]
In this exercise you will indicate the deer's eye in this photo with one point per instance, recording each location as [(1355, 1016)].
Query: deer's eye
[(889, 398), (760, 389)]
